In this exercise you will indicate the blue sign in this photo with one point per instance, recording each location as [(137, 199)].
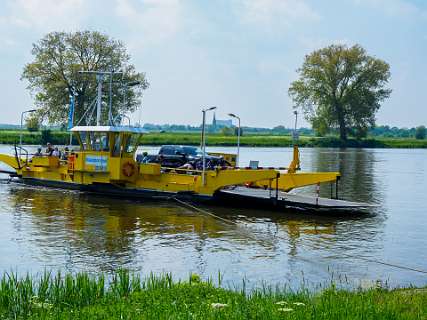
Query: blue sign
[(100, 163), (71, 113)]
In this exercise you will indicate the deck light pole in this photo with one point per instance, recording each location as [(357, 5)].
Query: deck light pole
[(295, 134), (238, 138), (100, 76), (20, 136), (204, 142)]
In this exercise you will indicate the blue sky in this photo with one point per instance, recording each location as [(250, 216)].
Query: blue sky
[(240, 55)]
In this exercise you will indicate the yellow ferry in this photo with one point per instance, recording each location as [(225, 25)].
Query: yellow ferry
[(106, 162)]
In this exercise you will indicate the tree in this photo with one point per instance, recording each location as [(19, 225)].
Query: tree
[(225, 131), (54, 75), (420, 132), (32, 124), (341, 87)]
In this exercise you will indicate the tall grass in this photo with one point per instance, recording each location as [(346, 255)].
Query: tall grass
[(127, 296)]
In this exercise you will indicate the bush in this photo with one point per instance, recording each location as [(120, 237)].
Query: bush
[(33, 124), (46, 136), (420, 133)]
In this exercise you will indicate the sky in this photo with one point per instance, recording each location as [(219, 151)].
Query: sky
[(238, 55)]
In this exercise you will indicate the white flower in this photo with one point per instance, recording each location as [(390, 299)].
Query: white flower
[(281, 303), (286, 309), (218, 305), (299, 304)]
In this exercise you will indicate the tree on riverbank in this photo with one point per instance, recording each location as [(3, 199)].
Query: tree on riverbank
[(341, 87), (420, 132), (53, 75)]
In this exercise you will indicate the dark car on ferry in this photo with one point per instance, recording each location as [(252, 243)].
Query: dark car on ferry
[(174, 156)]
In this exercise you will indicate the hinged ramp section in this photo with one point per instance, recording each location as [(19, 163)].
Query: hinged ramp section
[(295, 200)]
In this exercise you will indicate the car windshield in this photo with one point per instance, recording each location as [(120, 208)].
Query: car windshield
[(192, 151)]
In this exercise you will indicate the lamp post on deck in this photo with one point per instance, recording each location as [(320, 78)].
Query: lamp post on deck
[(20, 135), (295, 133), (238, 138), (204, 142)]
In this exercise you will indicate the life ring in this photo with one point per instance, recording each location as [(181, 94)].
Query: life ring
[(128, 169)]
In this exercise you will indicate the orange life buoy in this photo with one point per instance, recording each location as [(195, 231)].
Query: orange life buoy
[(128, 169)]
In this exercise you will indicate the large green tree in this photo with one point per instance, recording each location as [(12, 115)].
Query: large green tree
[(341, 87), (53, 75)]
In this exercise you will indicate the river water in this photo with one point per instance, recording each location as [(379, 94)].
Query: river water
[(54, 229)]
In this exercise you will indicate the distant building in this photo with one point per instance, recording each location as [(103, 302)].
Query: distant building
[(218, 124)]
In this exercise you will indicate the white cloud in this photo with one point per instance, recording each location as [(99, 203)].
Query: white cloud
[(394, 7), (155, 20), (43, 14), (269, 14)]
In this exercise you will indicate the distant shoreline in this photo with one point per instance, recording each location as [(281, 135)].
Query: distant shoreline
[(249, 140)]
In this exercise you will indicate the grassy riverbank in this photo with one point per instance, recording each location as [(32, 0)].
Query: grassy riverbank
[(127, 297), (62, 138)]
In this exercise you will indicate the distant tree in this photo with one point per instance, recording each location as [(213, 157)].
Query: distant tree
[(420, 132), (236, 131), (46, 136), (225, 131), (341, 87), (32, 124), (54, 73)]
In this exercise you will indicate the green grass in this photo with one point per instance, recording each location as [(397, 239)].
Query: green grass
[(82, 296), (260, 140)]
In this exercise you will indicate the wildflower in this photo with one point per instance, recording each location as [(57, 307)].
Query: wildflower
[(43, 305), (281, 303), (218, 305), (299, 304), (285, 309)]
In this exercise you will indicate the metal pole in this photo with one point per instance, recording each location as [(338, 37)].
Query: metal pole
[(110, 101), (99, 100), (295, 128), (22, 129), (20, 136), (238, 144), (203, 147)]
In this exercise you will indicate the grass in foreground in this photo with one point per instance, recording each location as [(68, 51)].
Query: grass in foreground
[(158, 297)]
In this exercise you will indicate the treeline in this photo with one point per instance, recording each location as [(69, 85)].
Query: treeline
[(377, 131)]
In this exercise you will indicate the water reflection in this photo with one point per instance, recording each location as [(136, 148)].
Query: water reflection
[(110, 232), (57, 229)]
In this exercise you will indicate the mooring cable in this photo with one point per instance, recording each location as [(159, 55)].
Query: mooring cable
[(280, 238), (225, 220), (386, 263)]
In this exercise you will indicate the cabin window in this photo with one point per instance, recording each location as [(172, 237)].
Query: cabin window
[(117, 145), (131, 143), (98, 141)]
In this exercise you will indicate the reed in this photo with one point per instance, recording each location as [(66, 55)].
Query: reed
[(127, 296)]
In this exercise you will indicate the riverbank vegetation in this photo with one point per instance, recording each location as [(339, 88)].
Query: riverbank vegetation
[(251, 140), (83, 296)]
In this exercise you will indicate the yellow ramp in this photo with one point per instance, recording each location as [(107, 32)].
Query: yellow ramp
[(289, 181), (9, 160)]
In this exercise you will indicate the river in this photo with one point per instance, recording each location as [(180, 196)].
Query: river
[(48, 229)]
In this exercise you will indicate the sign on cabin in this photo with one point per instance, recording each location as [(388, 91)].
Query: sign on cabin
[(98, 163)]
